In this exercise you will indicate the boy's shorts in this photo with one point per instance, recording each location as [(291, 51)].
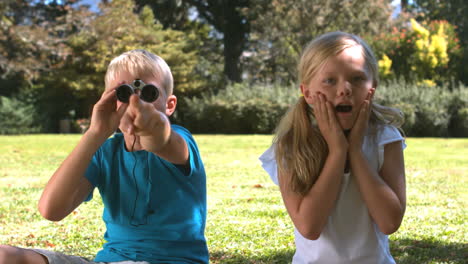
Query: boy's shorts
[(60, 258)]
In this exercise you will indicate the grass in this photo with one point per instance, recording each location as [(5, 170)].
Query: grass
[(247, 222)]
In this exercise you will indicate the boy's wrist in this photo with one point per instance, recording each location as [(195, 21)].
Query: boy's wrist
[(97, 136)]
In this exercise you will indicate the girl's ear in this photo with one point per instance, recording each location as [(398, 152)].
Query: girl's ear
[(171, 105), (306, 93)]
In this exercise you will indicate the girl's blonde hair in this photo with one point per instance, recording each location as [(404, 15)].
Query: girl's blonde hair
[(141, 64), (301, 150)]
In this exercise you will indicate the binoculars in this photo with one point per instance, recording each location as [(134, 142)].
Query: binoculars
[(148, 92)]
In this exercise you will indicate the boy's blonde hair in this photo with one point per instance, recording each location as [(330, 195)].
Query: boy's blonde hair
[(301, 150), (141, 64)]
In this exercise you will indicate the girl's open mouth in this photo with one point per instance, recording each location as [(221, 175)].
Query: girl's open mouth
[(343, 108)]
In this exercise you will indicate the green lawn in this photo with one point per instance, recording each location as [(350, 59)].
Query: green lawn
[(247, 222)]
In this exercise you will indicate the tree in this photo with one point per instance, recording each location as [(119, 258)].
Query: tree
[(453, 11), (281, 28), (116, 30), (172, 14), (32, 39), (420, 52), (227, 18), (181, 16)]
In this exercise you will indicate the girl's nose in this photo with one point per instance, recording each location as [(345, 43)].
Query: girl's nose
[(345, 89)]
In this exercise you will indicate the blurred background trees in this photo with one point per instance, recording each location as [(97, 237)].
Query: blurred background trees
[(232, 60)]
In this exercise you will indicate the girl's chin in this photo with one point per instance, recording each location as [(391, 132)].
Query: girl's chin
[(346, 124)]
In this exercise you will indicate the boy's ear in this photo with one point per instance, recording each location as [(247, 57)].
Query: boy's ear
[(171, 105)]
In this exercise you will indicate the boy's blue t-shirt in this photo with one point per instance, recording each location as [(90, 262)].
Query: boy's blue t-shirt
[(154, 210)]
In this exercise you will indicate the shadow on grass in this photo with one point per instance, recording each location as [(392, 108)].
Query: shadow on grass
[(405, 251), (410, 251), (279, 257)]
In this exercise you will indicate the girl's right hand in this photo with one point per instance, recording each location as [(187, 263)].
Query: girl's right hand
[(106, 117), (328, 124)]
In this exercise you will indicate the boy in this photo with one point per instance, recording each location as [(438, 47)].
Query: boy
[(150, 176)]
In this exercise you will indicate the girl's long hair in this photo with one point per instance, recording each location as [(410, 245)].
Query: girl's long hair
[(300, 148)]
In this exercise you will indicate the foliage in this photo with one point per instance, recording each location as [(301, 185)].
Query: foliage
[(16, 117), (385, 65), (454, 11), (117, 30), (430, 111), (243, 108), (33, 36), (229, 28), (173, 14), (226, 17), (240, 108), (281, 28), (426, 52), (247, 221)]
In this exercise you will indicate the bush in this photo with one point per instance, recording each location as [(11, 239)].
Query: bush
[(246, 109), (16, 117), (430, 111), (238, 109), (458, 108)]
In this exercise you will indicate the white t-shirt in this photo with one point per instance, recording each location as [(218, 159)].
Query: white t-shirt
[(350, 235)]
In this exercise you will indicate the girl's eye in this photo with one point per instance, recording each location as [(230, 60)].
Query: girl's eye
[(358, 78), (329, 81)]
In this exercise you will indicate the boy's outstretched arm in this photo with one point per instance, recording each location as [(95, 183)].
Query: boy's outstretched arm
[(154, 129), (68, 186)]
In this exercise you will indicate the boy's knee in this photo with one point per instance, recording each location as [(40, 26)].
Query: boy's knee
[(14, 255)]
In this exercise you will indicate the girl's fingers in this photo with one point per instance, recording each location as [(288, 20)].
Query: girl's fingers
[(363, 113), (331, 113), (322, 107), (316, 107), (370, 94)]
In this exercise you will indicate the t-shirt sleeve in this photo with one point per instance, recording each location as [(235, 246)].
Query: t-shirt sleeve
[(269, 163), (387, 135), (195, 163)]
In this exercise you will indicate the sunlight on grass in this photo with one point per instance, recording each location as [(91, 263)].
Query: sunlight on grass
[(247, 222)]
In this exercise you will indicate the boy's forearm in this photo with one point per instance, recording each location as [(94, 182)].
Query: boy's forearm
[(68, 186), (159, 135), (164, 142)]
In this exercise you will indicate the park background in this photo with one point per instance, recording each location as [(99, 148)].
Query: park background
[(234, 64)]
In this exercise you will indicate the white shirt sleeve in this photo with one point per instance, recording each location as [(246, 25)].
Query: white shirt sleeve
[(388, 134), (269, 163)]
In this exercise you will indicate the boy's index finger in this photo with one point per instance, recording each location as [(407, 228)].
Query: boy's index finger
[(135, 101), (108, 95)]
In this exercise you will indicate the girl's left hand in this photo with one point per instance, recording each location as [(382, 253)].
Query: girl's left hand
[(356, 136)]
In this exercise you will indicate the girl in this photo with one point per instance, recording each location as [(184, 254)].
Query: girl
[(338, 157)]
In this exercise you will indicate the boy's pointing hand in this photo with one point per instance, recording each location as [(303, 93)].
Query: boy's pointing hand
[(141, 118)]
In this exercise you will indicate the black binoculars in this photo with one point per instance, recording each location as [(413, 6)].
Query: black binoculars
[(148, 92)]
